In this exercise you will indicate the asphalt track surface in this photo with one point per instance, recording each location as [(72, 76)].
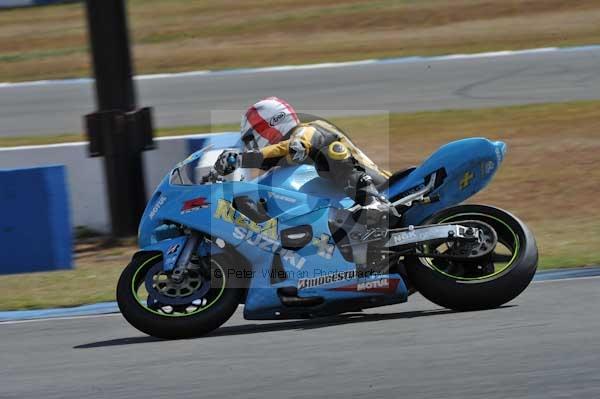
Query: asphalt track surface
[(397, 86), (545, 344)]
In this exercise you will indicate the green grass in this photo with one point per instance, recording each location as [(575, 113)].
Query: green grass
[(173, 35), (98, 266), (75, 137), (39, 55), (549, 179)]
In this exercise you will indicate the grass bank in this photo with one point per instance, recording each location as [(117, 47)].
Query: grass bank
[(549, 179), (180, 35), (75, 137)]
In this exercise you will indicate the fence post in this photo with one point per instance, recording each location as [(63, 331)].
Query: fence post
[(118, 131)]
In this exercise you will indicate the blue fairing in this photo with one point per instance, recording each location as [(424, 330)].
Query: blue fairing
[(297, 196), (468, 166)]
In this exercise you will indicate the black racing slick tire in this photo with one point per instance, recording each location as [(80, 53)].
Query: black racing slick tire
[(495, 281), (223, 300)]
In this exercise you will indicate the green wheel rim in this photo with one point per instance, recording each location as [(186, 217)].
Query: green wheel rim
[(497, 272), (200, 309)]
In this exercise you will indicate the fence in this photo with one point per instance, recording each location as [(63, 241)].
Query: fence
[(85, 176)]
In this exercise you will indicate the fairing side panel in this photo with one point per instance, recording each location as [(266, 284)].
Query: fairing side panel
[(296, 196), (313, 269)]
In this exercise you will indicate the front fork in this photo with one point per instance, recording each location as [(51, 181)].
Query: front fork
[(186, 253)]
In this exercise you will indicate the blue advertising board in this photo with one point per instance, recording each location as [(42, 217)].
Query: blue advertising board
[(35, 225)]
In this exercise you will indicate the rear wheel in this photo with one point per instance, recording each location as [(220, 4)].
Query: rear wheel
[(487, 282), (156, 305)]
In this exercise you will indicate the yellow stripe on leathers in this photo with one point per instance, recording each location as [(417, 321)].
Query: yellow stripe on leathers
[(276, 150), (354, 150), (305, 133)]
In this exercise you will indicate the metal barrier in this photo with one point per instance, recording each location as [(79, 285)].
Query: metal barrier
[(86, 183)]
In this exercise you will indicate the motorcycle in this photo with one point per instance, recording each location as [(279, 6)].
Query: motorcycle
[(286, 244)]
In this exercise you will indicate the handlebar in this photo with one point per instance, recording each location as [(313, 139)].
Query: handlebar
[(212, 177)]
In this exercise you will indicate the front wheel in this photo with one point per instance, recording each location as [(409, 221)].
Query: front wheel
[(487, 283), (156, 305)]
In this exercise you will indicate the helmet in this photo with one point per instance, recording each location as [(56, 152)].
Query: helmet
[(267, 122)]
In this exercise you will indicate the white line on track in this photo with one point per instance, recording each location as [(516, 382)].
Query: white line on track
[(567, 279), (85, 143), (240, 306), (282, 68), (91, 316)]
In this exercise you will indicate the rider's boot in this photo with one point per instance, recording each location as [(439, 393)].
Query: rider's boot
[(375, 212)]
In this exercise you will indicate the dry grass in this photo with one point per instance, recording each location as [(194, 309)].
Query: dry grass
[(550, 179), (74, 137), (98, 266), (175, 35)]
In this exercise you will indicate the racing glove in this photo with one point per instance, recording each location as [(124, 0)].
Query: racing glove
[(227, 162)]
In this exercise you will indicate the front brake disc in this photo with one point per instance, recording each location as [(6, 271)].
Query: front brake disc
[(164, 290)]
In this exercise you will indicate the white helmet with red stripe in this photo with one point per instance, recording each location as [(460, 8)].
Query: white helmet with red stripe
[(267, 122)]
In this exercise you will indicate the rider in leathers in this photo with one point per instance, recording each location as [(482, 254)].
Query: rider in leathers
[(273, 135)]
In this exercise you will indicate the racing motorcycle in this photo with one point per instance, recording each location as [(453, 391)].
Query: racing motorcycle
[(286, 244)]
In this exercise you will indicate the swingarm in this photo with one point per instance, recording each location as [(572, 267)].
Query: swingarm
[(468, 240)]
